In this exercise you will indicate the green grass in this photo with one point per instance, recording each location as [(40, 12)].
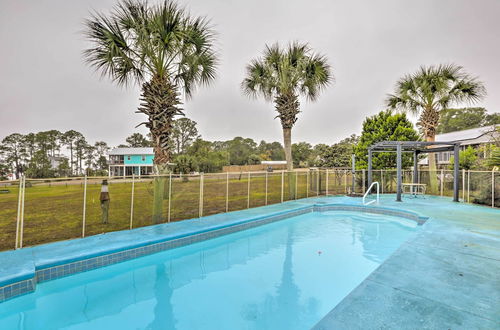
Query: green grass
[(54, 212)]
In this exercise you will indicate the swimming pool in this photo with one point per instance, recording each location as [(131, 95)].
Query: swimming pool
[(283, 275)]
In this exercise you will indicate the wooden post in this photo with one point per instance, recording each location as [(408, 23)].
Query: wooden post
[(364, 179), (19, 196), (296, 180), (266, 187), (248, 191), (201, 196), (345, 181), (442, 182), (132, 201), (22, 213), (282, 183), (463, 187), (492, 188), (307, 184), (370, 167), (468, 187), (227, 191), (326, 191), (169, 195), (382, 181), (317, 182), (84, 204)]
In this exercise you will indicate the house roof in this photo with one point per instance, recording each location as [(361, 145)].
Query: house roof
[(131, 151), (473, 135)]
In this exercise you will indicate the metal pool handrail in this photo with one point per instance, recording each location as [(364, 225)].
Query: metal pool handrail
[(368, 191)]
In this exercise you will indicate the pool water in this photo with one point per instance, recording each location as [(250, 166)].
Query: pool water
[(284, 275)]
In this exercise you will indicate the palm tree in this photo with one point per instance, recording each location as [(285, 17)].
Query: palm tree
[(430, 90), (281, 76), (165, 50)]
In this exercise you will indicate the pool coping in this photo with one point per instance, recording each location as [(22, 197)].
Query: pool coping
[(32, 265)]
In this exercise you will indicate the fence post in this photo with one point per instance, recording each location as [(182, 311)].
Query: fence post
[(19, 197), (132, 201), (442, 182), (317, 182), (84, 204), (382, 181), (463, 184), (326, 189), (364, 180), (22, 213), (296, 180), (345, 181), (492, 188), (307, 184), (282, 183), (248, 191), (468, 186), (266, 186), (169, 196), (227, 192), (201, 196)]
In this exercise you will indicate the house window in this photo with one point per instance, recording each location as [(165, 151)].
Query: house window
[(443, 157)]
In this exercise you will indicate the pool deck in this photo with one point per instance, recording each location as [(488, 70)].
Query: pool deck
[(445, 276)]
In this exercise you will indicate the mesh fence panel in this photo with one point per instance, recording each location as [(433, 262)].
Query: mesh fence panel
[(480, 188), (118, 214), (257, 189), (274, 187), (238, 191), (53, 211), (185, 197), (9, 192), (214, 193), (143, 202), (302, 184)]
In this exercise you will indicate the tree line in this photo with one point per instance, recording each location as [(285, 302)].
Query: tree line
[(57, 154)]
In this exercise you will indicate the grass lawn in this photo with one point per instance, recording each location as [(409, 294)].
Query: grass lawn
[(54, 211)]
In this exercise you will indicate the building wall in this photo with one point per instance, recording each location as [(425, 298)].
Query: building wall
[(138, 159)]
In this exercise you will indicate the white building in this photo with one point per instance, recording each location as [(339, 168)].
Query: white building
[(474, 137)]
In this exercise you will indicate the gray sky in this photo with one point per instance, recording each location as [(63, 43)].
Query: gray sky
[(44, 83)]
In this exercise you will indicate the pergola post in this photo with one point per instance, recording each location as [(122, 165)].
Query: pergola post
[(369, 167), (398, 165), (415, 166), (456, 165)]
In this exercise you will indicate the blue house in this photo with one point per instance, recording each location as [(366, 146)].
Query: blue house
[(128, 161)]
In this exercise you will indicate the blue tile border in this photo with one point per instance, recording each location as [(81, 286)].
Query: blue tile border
[(58, 269)]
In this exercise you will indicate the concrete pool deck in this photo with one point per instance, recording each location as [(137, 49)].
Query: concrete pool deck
[(445, 277)]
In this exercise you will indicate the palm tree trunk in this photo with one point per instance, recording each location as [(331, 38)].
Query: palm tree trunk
[(287, 106), (429, 121), (159, 101), (287, 143)]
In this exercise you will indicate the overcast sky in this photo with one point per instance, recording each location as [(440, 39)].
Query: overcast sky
[(44, 83)]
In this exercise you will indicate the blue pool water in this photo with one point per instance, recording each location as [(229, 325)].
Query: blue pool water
[(284, 275)]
